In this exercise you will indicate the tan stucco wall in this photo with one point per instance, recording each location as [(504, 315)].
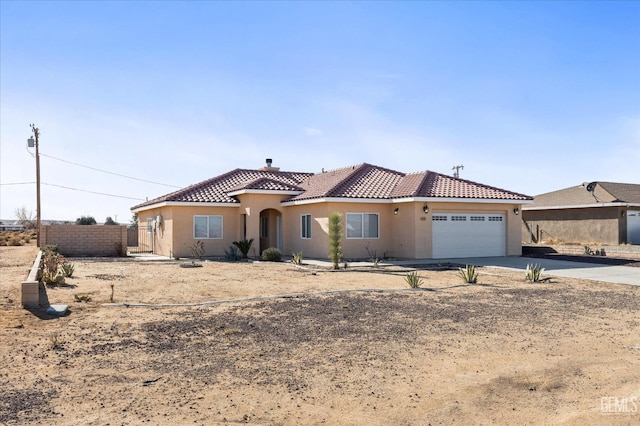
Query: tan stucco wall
[(405, 235), (604, 225)]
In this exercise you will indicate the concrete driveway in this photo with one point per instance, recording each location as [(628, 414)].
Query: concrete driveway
[(561, 268)]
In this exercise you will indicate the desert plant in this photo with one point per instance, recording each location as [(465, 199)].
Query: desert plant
[(197, 249), (468, 274), (272, 254), (25, 218), (413, 279), (52, 264), (335, 238), (587, 250), (110, 221), (244, 246), (121, 250), (112, 291), (373, 256), (296, 258), (67, 269), (533, 272), (82, 298), (232, 254), (56, 342)]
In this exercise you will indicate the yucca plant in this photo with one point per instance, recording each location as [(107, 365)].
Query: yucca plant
[(413, 279), (244, 246), (335, 239), (533, 272), (67, 269), (468, 274)]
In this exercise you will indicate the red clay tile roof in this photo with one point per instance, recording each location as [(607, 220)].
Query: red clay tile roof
[(358, 181), (604, 192)]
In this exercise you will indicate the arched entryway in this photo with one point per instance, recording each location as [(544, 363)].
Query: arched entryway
[(270, 229)]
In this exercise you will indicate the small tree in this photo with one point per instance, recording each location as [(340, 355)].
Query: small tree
[(134, 220), (110, 221), (25, 218), (335, 239), (86, 220)]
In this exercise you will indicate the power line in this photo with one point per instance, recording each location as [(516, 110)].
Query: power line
[(108, 172), (93, 192), (75, 189)]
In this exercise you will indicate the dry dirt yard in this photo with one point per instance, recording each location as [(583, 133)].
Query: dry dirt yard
[(504, 352)]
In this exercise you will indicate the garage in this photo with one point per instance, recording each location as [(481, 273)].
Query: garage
[(458, 235), (633, 227)]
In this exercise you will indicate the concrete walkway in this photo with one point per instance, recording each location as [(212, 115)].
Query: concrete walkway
[(561, 268)]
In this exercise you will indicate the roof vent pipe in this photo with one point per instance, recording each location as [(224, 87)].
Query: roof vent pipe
[(269, 162)]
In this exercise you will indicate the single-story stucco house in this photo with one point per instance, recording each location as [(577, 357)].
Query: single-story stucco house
[(413, 216), (595, 212)]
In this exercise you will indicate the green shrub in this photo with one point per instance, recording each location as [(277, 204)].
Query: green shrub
[(533, 272), (272, 254), (232, 254), (413, 279), (335, 239), (587, 250), (297, 258), (244, 246), (468, 274)]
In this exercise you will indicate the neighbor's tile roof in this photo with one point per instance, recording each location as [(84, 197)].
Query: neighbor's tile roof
[(363, 181), (604, 192)]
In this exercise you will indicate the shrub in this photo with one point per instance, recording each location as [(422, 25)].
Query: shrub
[(468, 274), (587, 250), (413, 279), (15, 240), (67, 269), (232, 254), (244, 246), (82, 298), (297, 258), (533, 272), (272, 254), (197, 249), (110, 221), (335, 239)]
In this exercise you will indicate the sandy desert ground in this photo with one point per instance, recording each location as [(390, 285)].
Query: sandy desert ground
[(503, 352)]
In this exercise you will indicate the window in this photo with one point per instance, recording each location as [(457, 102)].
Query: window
[(305, 226), (459, 218), (477, 218), (362, 225), (495, 218), (439, 217), (264, 226), (207, 227), (149, 225)]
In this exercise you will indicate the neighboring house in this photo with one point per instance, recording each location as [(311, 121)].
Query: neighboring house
[(596, 212), (415, 215)]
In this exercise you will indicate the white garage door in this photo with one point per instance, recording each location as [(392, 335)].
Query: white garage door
[(468, 235), (633, 227)]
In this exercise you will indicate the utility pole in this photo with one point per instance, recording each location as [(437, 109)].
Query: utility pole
[(456, 173), (31, 143)]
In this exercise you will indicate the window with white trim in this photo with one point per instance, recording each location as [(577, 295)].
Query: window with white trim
[(305, 226), (362, 225), (207, 227)]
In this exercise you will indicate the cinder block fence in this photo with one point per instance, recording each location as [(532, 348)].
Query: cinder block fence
[(86, 240)]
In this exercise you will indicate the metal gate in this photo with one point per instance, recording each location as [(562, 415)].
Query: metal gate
[(140, 240)]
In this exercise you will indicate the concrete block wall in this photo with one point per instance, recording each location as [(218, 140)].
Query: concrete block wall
[(85, 240)]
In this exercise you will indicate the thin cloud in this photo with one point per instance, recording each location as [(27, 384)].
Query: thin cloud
[(312, 131)]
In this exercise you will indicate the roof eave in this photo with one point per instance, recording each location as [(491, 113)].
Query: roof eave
[(183, 204), (264, 191), (582, 206)]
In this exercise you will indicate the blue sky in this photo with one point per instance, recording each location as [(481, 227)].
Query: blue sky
[(530, 97)]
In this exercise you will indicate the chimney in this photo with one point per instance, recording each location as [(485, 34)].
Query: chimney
[(268, 168)]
